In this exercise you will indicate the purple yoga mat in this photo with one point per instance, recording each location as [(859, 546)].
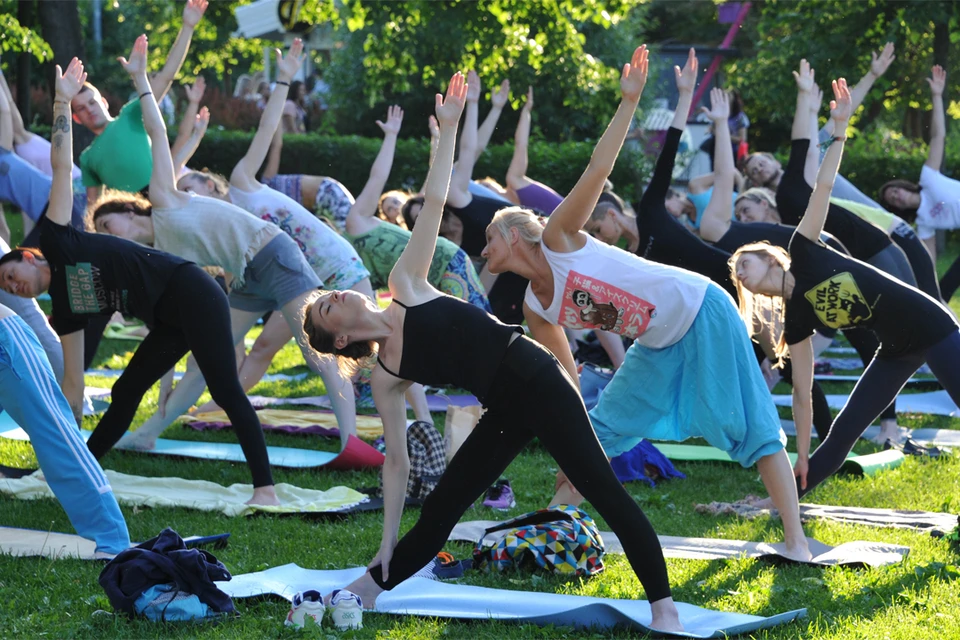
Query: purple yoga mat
[(329, 432), (435, 403)]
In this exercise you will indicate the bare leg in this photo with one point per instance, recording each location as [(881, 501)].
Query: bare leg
[(339, 388), (417, 397), (777, 476)]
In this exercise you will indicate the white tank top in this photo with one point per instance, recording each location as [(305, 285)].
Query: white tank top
[(603, 287)]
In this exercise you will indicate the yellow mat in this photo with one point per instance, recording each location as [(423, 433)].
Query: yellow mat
[(292, 420)]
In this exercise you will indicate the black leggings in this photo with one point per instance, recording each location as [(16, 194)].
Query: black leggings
[(191, 315), (882, 380), (532, 397), (866, 343), (923, 270), (950, 281)]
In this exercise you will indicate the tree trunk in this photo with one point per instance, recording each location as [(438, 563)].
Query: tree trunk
[(25, 17), (60, 26)]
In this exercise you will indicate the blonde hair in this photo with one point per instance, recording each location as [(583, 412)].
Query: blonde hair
[(758, 195), (528, 224), (760, 312)]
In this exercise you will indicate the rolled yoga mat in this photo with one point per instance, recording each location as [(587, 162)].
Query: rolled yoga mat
[(27, 543), (851, 554), (930, 402), (140, 491), (429, 598)]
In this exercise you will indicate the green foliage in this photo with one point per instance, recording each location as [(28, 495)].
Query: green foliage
[(16, 38), (391, 54), (349, 158)]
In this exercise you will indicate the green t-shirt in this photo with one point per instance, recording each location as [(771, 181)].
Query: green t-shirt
[(876, 217), (381, 247), (120, 157)]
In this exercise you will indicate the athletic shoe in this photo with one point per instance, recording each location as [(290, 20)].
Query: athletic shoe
[(500, 496), (307, 604), (444, 567), (347, 610)]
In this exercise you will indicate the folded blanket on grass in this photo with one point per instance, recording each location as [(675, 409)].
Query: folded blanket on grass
[(322, 423)]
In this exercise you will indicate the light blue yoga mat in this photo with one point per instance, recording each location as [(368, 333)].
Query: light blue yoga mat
[(428, 598), (931, 402), (228, 451)]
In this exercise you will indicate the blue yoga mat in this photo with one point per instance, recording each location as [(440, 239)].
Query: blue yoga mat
[(428, 598), (228, 451)]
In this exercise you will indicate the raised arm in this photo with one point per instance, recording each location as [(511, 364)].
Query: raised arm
[(805, 85), (163, 182), (812, 162), (365, 207), (663, 173), (194, 96), (68, 84), (459, 195), (570, 216), (497, 102), (6, 123), (816, 214), (411, 269), (20, 133), (244, 175), (716, 217), (517, 171), (878, 66), (182, 155), (161, 82), (938, 130)]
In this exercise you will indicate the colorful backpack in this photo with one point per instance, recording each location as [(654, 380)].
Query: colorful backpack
[(562, 540)]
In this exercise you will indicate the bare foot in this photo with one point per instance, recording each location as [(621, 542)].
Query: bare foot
[(207, 407), (757, 502), (365, 587), (798, 550), (665, 616), (264, 496), (137, 442)]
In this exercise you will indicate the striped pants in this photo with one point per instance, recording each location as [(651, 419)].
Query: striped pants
[(30, 394)]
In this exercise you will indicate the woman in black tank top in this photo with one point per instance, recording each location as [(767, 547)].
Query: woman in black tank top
[(429, 337)]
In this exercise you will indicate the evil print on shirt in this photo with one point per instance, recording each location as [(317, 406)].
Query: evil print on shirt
[(838, 302), (589, 303)]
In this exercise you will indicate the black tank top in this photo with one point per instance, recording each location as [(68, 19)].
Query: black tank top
[(447, 341), (476, 217)]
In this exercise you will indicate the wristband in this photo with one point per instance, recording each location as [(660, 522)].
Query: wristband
[(144, 95), (286, 84), (829, 141)]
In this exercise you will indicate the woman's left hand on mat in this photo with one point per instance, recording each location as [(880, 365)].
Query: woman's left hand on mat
[(800, 469)]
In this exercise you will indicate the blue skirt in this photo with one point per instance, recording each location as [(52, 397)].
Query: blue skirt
[(706, 385)]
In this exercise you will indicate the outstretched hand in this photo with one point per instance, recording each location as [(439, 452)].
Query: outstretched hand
[(394, 119), (687, 78), (879, 65), (288, 66), (434, 127), (193, 12), (473, 86), (938, 80), (816, 99), (69, 83), (804, 77), (201, 123), (450, 108), (528, 105), (634, 75), (195, 91), (500, 96), (137, 64), (719, 110), (841, 107)]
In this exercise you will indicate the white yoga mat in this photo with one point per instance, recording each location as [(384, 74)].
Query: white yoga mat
[(429, 598)]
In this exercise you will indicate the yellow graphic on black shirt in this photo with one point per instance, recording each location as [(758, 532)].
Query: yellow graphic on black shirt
[(838, 302)]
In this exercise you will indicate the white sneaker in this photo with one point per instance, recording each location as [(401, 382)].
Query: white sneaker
[(347, 610), (307, 604)]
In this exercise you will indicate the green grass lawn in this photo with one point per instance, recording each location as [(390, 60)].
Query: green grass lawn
[(917, 599)]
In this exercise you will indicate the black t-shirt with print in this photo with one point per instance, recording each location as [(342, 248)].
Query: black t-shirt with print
[(93, 274), (836, 291), (862, 239)]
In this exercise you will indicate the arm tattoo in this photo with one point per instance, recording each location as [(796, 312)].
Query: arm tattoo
[(61, 124), (58, 140)]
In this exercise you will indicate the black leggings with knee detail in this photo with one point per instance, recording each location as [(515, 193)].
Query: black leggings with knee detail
[(882, 380), (532, 397), (192, 315)]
